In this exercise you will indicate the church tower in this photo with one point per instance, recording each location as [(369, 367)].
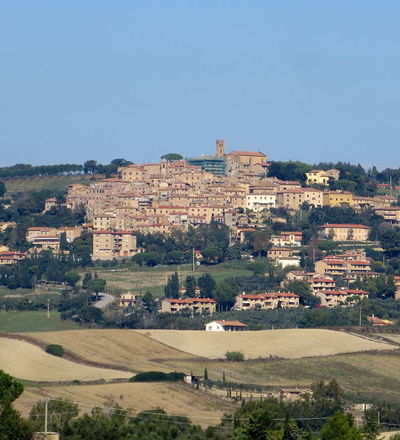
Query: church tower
[(219, 148)]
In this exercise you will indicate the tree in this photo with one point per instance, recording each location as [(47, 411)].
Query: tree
[(89, 167), (63, 241), (171, 290), (148, 302), (190, 286), (170, 157), (97, 285), (290, 429), (205, 374), (339, 427), (86, 278), (212, 255), (72, 278), (371, 425), (302, 288), (12, 425), (207, 285), (2, 188), (60, 414), (258, 267), (259, 241)]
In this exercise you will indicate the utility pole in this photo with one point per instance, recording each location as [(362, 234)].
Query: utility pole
[(360, 323), (193, 260), (46, 414), (48, 308)]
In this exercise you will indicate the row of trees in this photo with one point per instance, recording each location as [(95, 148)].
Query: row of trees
[(320, 414)]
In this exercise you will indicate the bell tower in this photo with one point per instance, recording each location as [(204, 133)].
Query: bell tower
[(219, 148)]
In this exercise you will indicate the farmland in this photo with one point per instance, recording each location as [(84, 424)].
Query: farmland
[(33, 321), (291, 343), (202, 408), (154, 279), (38, 183), (29, 362)]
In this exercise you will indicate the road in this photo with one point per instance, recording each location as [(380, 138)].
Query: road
[(104, 301)]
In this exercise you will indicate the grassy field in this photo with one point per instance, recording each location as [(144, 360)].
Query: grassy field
[(13, 292), (155, 278), (202, 408), (291, 343), (116, 348), (57, 183), (15, 322), (371, 373), (29, 362)]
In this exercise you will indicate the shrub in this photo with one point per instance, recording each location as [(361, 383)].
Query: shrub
[(234, 356), (157, 376), (55, 350)]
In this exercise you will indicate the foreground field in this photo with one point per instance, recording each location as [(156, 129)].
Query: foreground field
[(201, 407), (125, 348), (14, 322), (292, 343), (29, 362)]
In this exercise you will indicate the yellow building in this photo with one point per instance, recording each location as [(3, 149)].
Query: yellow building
[(194, 305), (344, 232), (317, 177), (338, 198), (113, 244)]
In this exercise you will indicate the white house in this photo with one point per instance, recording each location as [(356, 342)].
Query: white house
[(225, 326)]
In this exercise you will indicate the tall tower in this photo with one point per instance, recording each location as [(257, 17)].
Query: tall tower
[(219, 148)]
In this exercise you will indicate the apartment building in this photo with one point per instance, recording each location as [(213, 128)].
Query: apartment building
[(267, 301), (344, 232), (108, 245), (194, 305), (338, 198), (287, 239), (334, 298)]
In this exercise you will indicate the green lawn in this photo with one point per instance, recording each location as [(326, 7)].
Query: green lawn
[(154, 279), (57, 183), (11, 292), (15, 322)]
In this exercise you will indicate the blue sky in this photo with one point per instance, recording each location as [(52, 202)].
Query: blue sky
[(307, 80)]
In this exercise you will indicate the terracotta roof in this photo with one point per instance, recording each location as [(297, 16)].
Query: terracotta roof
[(247, 153), (344, 225), (231, 323)]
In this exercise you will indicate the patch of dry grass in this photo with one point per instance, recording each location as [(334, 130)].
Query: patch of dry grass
[(201, 407), (118, 348), (291, 343), (27, 361)]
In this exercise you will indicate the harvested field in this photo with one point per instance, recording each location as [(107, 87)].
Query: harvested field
[(29, 362), (292, 343), (126, 348), (202, 408)]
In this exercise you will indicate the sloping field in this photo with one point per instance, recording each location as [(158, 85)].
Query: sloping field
[(292, 343), (27, 361), (117, 348), (203, 408)]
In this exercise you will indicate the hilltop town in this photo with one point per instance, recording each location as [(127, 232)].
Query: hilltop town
[(178, 272)]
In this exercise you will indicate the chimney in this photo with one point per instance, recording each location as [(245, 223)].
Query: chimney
[(219, 148)]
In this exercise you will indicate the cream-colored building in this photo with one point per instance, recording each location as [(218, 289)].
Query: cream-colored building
[(344, 232), (334, 298), (287, 238), (338, 198), (317, 177), (194, 305), (260, 200), (267, 301), (113, 244)]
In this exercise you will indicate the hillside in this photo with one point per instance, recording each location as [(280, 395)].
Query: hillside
[(291, 343), (29, 362), (202, 408)]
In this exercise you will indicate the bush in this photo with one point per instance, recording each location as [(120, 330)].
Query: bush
[(234, 356), (55, 350), (157, 376)]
